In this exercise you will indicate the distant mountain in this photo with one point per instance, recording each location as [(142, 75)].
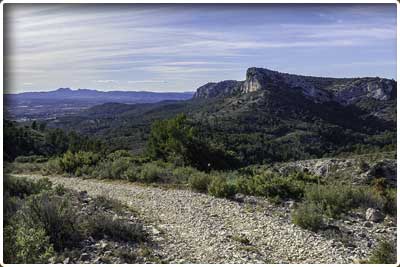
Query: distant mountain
[(271, 116), (95, 96), (64, 101)]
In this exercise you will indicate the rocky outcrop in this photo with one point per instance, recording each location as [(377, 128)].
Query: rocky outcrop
[(357, 170), (342, 90), (258, 79), (356, 89), (223, 88), (374, 215)]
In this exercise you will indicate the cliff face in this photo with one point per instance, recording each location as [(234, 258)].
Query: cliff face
[(342, 90), (224, 88)]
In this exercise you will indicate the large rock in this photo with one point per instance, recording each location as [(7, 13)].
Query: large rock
[(373, 215)]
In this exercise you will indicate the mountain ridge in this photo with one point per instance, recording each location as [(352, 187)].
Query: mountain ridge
[(84, 92), (64, 101), (321, 89)]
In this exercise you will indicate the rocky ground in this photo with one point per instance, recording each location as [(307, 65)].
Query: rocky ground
[(189, 227), (103, 249), (358, 170)]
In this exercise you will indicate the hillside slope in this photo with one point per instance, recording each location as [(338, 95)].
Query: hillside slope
[(270, 116)]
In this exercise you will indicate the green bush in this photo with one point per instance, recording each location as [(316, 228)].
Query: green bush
[(115, 229), (119, 167), (18, 188), (57, 216), (220, 187), (199, 182), (333, 199), (384, 253), (102, 170), (119, 154), (282, 188), (71, 162), (151, 172), (52, 166), (26, 244), (22, 187), (308, 216), (60, 190), (131, 173), (305, 177), (390, 206), (182, 174), (23, 242), (28, 167), (367, 197), (244, 185), (337, 199), (11, 205), (274, 186), (108, 203), (85, 170)]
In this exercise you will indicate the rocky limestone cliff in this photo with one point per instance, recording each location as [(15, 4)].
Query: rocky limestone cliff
[(358, 170), (319, 89), (223, 88)]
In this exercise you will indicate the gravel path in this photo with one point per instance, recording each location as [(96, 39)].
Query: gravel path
[(196, 228)]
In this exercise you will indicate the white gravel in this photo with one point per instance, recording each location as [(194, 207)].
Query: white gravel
[(196, 228)]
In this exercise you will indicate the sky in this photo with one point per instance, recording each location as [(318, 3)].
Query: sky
[(181, 47)]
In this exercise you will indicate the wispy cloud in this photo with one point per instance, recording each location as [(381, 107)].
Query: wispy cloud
[(105, 81), (366, 64), (146, 45), (148, 81)]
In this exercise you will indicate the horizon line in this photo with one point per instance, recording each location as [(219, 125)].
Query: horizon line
[(100, 90)]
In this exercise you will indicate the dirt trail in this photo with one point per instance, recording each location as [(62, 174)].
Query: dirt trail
[(196, 228)]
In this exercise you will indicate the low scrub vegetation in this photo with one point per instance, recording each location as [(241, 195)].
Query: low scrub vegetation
[(333, 200), (272, 185), (200, 182), (43, 222), (115, 229), (176, 154), (308, 215), (220, 187), (56, 216), (384, 253), (337, 199), (26, 244)]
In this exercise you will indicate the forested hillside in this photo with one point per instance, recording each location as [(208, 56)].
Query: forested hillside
[(247, 143), (277, 121)]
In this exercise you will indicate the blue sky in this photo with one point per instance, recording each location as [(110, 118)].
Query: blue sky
[(181, 47)]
